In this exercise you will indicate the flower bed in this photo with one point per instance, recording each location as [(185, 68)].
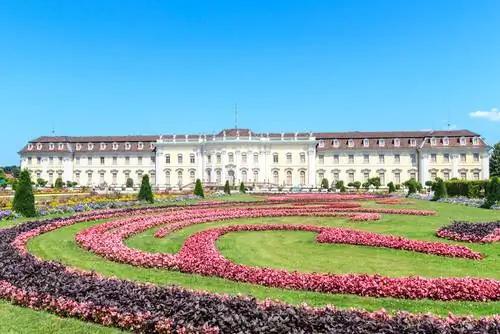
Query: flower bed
[(471, 232), (391, 201), (30, 282)]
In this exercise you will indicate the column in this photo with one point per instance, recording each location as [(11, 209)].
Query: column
[(311, 165), (200, 156), (485, 161), (265, 170), (160, 166), (67, 168), (423, 172), (454, 164), (237, 177)]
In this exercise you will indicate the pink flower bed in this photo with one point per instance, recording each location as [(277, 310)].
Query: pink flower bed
[(199, 255), (393, 201)]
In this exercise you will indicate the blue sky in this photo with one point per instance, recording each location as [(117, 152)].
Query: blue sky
[(151, 67)]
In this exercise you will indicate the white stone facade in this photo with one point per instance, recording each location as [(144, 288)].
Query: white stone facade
[(263, 160)]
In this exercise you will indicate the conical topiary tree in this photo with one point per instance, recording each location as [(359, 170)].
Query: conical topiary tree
[(24, 200), (391, 186), (242, 188), (227, 188), (198, 189), (439, 188), (492, 193), (145, 193)]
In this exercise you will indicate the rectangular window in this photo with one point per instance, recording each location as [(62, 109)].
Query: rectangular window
[(153, 159), (114, 178), (179, 159), (336, 159), (366, 158), (191, 159), (77, 160), (115, 161), (475, 176), (382, 178), (321, 159), (102, 160), (433, 158), (139, 160), (463, 157), (366, 176), (336, 176), (381, 159), (476, 157), (77, 178), (39, 160), (167, 158), (219, 158), (446, 157), (397, 178), (446, 176), (433, 175), (243, 158), (351, 159), (60, 160), (51, 160), (397, 158), (89, 161), (413, 175), (302, 158), (413, 158), (230, 158), (463, 176), (275, 158), (351, 177), (289, 158), (127, 160), (209, 159), (29, 160)]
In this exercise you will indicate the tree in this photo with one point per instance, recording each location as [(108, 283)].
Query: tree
[(495, 161), (198, 189), (375, 181), (366, 185), (391, 186), (439, 188), (242, 188), (59, 183), (145, 193), (356, 184), (129, 183), (41, 182), (324, 183), (227, 188), (24, 200), (492, 193), (413, 186)]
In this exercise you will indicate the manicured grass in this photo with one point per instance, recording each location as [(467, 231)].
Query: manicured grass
[(298, 250), (17, 319)]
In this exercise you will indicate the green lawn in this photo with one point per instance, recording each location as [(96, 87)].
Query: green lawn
[(297, 251)]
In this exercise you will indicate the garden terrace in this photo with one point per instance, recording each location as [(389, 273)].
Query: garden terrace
[(318, 252)]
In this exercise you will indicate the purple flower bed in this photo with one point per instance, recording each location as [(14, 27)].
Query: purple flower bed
[(50, 286), (471, 232)]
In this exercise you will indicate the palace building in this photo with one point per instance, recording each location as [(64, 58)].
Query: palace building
[(260, 159)]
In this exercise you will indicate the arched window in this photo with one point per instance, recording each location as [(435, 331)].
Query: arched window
[(167, 178), (179, 178), (289, 178), (302, 177), (276, 177), (230, 158)]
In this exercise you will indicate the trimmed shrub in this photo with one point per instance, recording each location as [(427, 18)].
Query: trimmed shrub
[(41, 182), (59, 183), (375, 181), (356, 184), (198, 189), (129, 183), (492, 193), (413, 186), (325, 184), (391, 187), (227, 188), (24, 200), (242, 188), (145, 193), (439, 188)]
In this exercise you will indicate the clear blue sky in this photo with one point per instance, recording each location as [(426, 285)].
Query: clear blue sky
[(151, 67)]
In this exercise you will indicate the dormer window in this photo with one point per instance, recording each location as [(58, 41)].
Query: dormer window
[(381, 142), (446, 141), (413, 142), (39, 146), (61, 146), (127, 146), (397, 142), (51, 146), (78, 146), (350, 143), (115, 146), (30, 147), (475, 141), (462, 141), (321, 143), (103, 146), (336, 143), (140, 145), (366, 142), (90, 146), (433, 141)]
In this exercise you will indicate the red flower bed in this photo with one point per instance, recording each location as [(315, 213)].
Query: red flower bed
[(393, 201), (199, 255)]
